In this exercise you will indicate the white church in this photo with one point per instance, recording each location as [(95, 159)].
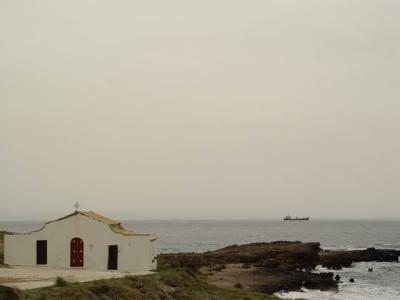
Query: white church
[(83, 239)]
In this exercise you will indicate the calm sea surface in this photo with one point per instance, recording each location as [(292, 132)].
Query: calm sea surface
[(184, 236)]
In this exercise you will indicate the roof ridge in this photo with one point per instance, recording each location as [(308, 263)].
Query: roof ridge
[(97, 217)]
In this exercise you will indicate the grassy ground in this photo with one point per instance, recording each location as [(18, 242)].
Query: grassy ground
[(172, 283)]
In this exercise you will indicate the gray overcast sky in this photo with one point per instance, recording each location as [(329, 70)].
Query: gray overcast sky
[(200, 109)]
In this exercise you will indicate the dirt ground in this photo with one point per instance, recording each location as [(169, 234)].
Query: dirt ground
[(40, 276), (234, 274)]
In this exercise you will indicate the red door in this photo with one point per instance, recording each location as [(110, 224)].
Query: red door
[(76, 252)]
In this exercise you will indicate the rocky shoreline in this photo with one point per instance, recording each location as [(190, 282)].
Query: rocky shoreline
[(274, 267)]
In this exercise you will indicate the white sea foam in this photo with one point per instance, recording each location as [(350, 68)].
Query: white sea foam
[(382, 283), (354, 292)]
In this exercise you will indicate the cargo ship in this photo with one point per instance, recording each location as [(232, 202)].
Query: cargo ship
[(289, 218)]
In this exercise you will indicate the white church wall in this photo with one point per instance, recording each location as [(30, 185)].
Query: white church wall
[(135, 253), (19, 250)]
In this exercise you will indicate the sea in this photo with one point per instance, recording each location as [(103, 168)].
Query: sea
[(199, 236)]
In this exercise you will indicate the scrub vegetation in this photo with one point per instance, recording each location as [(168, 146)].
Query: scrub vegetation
[(170, 283)]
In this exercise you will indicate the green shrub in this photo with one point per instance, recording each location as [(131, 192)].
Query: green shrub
[(7, 293), (60, 282)]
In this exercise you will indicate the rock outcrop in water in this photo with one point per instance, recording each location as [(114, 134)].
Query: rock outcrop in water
[(272, 267), (263, 267), (282, 255), (337, 260)]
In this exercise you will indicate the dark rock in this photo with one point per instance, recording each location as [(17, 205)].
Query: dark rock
[(337, 277), (335, 260), (218, 267), (283, 255), (351, 280)]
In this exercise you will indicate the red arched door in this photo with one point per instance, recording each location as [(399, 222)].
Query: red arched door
[(76, 252)]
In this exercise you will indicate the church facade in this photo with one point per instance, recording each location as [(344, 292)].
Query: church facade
[(83, 239)]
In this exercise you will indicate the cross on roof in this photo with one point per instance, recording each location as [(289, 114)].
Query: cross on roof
[(76, 206)]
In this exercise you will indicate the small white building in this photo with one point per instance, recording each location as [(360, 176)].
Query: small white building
[(83, 239)]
